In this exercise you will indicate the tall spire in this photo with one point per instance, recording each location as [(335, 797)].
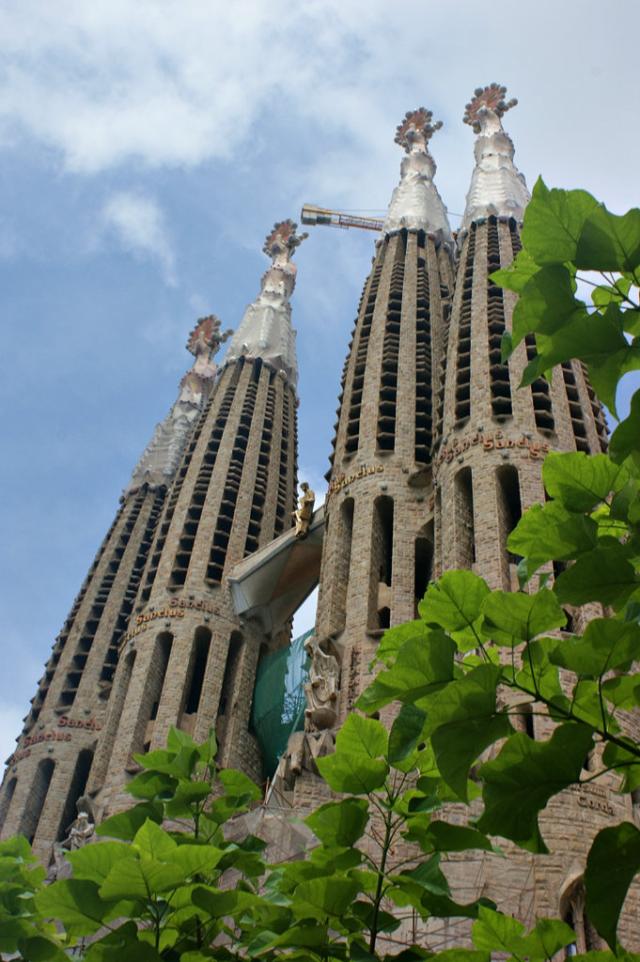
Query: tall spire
[(497, 187), (162, 455), (265, 330), (415, 202)]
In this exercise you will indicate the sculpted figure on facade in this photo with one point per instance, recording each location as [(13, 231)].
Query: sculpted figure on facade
[(322, 688), (304, 512)]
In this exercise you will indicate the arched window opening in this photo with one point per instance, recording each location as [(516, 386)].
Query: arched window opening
[(342, 564), (76, 790), (158, 670), (6, 799), (423, 562), (381, 564), (509, 513), (230, 671), (199, 658), (464, 520), (523, 720), (37, 797), (573, 912)]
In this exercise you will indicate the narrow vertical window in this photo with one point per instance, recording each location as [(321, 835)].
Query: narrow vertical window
[(500, 381), (424, 412), (464, 520), (423, 562), (391, 351), (37, 797), (6, 799), (381, 563), (509, 513), (363, 333), (463, 365), (342, 564), (76, 790), (230, 670), (197, 668)]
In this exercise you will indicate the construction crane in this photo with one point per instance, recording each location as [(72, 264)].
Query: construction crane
[(313, 215)]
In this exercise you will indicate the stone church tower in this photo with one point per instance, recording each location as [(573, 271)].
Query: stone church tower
[(49, 769), (186, 658)]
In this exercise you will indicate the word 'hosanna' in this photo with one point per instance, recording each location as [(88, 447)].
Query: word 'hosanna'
[(435, 456)]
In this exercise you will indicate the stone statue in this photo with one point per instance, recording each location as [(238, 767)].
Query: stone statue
[(322, 688), (304, 513), (81, 831)]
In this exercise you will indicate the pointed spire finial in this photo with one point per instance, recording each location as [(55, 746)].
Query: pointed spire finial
[(489, 98), (497, 187), (416, 129), (416, 203), (283, 239), (206, 336)]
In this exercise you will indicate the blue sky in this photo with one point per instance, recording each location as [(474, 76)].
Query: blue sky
[(145, 151)]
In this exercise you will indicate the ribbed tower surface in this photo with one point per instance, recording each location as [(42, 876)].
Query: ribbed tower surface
[(187, 659), (49, 770)]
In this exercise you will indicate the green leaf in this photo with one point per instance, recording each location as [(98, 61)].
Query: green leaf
[(623, 691), (96, 861), (607, 645), (609, 242), (454, 601), (605, 575), (394, 638), (362, 736), (554, 221), (612, 864), (546, 305), (496, 932), (152, 840), (443, 837), (324, 897), (406, 733), (141, 879), (125, 824), (74, 902), (525, 775), (513, 617), (550, 532), (422, 666), (353, 772), (624, 441), (582, 481), (626, 762), (459, 744), (339, 824), (518, 273), (238, 785), (152, 785), (545, 939)]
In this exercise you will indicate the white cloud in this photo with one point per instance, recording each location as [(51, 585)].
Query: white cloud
[(139, 224)]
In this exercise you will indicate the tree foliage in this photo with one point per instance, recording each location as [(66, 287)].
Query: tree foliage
[(168, 883)]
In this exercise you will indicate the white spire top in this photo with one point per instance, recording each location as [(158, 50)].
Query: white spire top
[(497, 187), (265, 330), (416, 203), (161, 457)]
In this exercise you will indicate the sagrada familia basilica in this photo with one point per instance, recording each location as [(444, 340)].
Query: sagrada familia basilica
[(436, 454)]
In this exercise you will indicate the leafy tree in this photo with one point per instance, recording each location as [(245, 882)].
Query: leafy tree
[(167, 883)]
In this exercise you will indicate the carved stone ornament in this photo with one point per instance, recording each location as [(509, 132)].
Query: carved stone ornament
[(206, 336), (81, 832), (416, 126), (304, 512), (303, 749), (322, 689), (491, 97)]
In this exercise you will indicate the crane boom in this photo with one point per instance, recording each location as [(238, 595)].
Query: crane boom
[(313, 215)]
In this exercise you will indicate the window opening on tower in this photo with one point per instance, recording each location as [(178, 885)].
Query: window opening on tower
[(76, 790), (230, 670), (500, 381), (575, 408), (200, 490), (363, 333), (157, 672), (423, 562), (509, 511), (464, 519), (262, 472), (597, 410), (36, 799), (381, 563), (285, 492), (7, 796), (387, 404), (199, 658), (342, 565), (424, 412), (463, 367), (227, 510)]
